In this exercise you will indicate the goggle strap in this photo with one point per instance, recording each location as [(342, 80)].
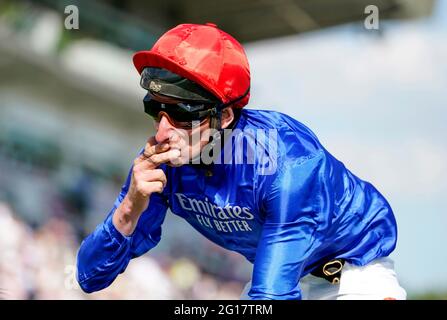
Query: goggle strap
[(216, 115)]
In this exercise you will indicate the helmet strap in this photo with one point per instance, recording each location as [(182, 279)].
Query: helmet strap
[(216, 119), (216, 127)]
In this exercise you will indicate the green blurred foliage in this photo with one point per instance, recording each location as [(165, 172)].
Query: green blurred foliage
[(430, 295)]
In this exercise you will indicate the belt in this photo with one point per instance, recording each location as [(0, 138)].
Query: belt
[(330, 271)]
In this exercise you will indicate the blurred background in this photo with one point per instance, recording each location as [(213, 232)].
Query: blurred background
[(72, 121)]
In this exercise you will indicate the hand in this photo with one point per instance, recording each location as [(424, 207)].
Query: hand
[(146, 179)]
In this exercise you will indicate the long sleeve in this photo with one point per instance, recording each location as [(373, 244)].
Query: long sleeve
[(298, 207), (105, 253)]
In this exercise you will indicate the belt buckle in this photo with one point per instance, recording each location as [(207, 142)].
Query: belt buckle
[(331, 269)]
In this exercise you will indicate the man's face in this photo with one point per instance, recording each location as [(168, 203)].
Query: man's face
[(189, 141)]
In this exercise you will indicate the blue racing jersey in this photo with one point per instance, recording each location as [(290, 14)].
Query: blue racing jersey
[(284, 202)]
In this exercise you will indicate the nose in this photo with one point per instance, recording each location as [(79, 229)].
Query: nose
[(164, 129)]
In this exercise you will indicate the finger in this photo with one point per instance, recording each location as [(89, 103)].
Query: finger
[(165, 157), (153, 175), (147, 188), (183, 159), (152, 147)]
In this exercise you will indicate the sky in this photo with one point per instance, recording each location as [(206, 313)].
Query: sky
[(377, 103)]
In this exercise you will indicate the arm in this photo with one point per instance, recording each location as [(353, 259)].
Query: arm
[(106, 252), (298, 206), (134, 224)]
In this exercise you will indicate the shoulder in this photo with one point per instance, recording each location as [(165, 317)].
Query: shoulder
[(292, 138)]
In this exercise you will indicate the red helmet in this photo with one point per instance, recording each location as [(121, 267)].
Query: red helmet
[(206, 55)]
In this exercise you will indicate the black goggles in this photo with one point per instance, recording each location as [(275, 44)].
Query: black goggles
[(182, 114)]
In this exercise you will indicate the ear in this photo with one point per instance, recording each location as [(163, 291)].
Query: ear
[(227, 117)]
